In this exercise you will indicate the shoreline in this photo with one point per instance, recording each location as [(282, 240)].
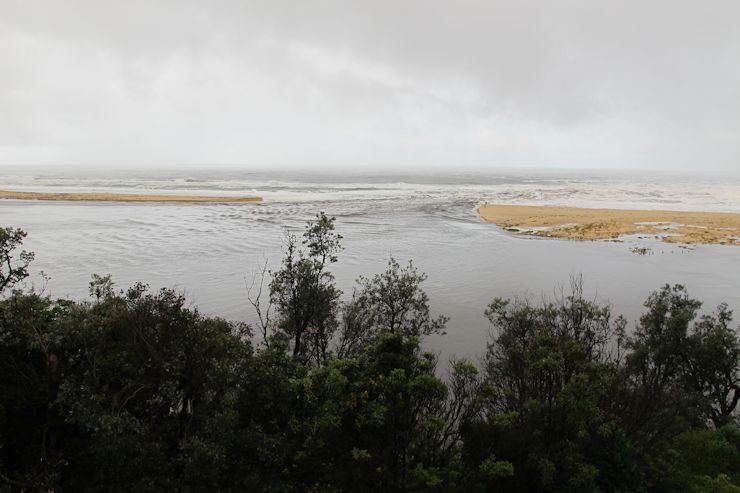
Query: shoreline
[(122, 197), (586, 224)]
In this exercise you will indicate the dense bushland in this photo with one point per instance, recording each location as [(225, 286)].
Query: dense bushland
[(132, 390)]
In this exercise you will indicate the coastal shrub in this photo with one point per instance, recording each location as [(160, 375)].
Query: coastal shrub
[(134, 390), (12, 269), (304, 293)]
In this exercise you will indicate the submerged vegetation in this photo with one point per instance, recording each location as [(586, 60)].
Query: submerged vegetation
[(132, 390)]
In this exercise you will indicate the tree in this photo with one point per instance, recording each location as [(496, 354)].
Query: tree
[(390, 302), (658, 402), (677, 378), (255, 299), (303, 290), (372, 423), (712, 358), (133, 391), (537, 350), (12, 271), (101, 287), (550, 379), (701, 460), (31, 427)]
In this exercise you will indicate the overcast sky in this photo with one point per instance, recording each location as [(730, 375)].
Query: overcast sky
[(571, 83)]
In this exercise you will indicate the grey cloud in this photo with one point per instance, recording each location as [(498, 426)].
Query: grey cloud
[(583, 83)]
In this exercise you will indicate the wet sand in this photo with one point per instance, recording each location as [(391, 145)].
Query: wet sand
[(122, 197), (604, 224)]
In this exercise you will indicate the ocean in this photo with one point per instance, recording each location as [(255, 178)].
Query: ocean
[(211, 251)]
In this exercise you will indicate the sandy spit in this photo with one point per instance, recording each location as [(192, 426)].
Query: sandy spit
[(602, 224), (122, 197)]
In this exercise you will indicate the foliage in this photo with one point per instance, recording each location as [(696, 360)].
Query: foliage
[(134, 390), (550, 375), (12, 270), (390, 302), (304, 292), (701, 460), (373, 422)]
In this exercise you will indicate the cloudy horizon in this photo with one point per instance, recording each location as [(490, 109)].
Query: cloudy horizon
[(407, 85)]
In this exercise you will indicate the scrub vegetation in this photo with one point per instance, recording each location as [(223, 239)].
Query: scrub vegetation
[(133, 390)]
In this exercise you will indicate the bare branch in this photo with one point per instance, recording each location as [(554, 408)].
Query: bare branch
[(254, 296)]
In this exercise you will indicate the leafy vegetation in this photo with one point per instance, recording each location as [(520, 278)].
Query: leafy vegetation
[(132, 390)]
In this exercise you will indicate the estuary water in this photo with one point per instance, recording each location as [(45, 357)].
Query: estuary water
[(210, 251)]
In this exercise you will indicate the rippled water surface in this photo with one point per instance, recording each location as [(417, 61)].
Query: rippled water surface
[(211, 250)]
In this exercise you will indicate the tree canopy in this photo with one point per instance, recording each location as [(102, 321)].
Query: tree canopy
[(132, 389)]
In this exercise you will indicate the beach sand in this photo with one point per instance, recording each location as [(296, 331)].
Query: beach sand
[(122, 197), (602, 224)]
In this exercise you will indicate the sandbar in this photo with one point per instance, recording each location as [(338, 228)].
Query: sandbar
[(577, 223), (122, 197)]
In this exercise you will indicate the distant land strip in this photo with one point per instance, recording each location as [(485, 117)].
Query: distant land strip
[(122, 197), (577, 223)]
